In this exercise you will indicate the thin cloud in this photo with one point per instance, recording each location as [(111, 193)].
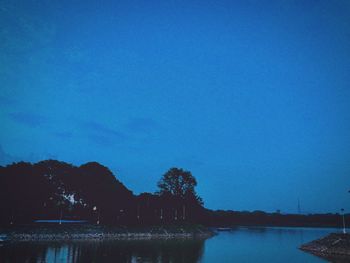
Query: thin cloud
[(103, 130), (101, 140), (5, 101), (141, 125), (102, 134), (28, 119), (63, 134)]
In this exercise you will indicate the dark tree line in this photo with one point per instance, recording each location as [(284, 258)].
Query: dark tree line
[(227, 218), (57, 190), (52, 189)]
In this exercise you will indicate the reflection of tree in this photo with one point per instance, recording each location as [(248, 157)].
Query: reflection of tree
[(143, 251), (23, 252), (171, 251)]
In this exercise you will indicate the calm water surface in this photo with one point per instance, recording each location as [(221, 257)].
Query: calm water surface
[(243, 244)]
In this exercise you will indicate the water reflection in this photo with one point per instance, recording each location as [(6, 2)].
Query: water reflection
[(262, 244), (241, 244), (171, 251)]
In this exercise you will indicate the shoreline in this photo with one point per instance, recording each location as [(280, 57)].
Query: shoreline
[(96, 233), (335, 246)]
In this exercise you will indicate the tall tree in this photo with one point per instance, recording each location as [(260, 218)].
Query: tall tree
[(180, 184)]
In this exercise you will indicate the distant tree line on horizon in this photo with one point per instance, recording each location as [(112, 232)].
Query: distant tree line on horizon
[(53, 189)]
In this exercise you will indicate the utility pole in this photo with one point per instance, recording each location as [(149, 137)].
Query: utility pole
[(344, 229), (98, 214), (60, 222), (11, 219)]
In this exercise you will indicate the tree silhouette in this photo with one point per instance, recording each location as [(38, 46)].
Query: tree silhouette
[(180, 184), (50, 188)]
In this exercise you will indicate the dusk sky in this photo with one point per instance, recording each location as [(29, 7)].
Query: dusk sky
[(252, 97)]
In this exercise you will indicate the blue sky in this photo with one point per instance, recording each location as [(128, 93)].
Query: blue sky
[(252, 97)]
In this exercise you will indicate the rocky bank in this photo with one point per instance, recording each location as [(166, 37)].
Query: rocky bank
[(334, 247), (93, 232)]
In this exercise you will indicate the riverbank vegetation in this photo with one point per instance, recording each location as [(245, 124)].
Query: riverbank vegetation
[(57, 190)]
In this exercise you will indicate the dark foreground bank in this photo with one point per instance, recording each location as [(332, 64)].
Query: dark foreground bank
[(93, 232), (334, 247)]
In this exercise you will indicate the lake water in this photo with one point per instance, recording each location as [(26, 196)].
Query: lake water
[(243, 244)]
